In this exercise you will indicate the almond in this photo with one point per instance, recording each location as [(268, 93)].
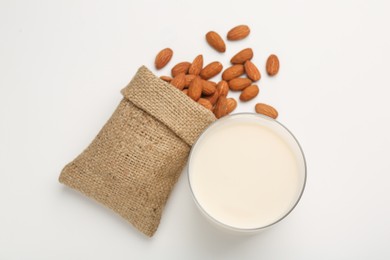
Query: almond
[(185, 91), (189, 78), (209, 87), (249, 93), (266, 110), (215, 41), (163, 57), (206, 103), (272, 65), (179, 81), (221, 108), (233, 72), (195, 88), (223, 88), (238, 33), (252, 71), (211, 70), (181, 67), (231, 105), (166, 78), (242, 56), (239, 83), (196, 65), (213, 98)]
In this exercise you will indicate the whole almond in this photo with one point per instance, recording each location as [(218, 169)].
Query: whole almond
[(223, 88), (242, 56), (166, 78), (206, 103), (252, 71), (179, 81), (163, 57), (211, 70), (239, 83), (233, 72), (189, 78), (208, 88), (213, 98), (196, 66), (195, 88), (185, 91), (181, 67), (238, 33), (221, 108), (249, 93), (272, 65), (266, 110), (216, 41), (231, 105)]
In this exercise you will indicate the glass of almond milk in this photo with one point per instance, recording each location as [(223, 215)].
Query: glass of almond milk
[(246, 172)]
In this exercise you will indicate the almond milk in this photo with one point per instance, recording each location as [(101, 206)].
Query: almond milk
[(246, 171)]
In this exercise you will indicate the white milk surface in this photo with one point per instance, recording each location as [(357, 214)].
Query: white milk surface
[(245, 175)]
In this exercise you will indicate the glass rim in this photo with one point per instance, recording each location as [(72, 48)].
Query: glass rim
[(256, 228)]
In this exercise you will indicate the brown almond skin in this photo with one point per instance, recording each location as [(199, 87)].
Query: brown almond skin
[(242, 56), (188, 79), (213, 98), (195, 88), (196, 66), (233, 72), (221, 108), (272, 65), (252, 71), (179, 81), (239, 84), (215, 41), (181, 67), (223, 88), (211, 70), (231, 105), (267, 110), (163, 57), (206, 103), (249, 93), (166, 78), (239, 32), (209, 87)]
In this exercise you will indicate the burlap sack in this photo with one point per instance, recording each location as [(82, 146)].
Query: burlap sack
[(133, 163)]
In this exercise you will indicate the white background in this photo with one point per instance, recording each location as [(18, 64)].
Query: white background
[(63, 63)]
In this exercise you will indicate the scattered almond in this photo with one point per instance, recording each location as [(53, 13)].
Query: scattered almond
[(166, 78), (163, 57), (252, 71), (181, 67), (221, 109), (266, 110), (239, 83), (272, 65), (242, 56), (206, 103), (216, 41), (233, 72), (196, 66), (195, 88), (249, 93), (238, 33), (231, 105), (209, 87), (211, 70), (179, 81), (223, 88)]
